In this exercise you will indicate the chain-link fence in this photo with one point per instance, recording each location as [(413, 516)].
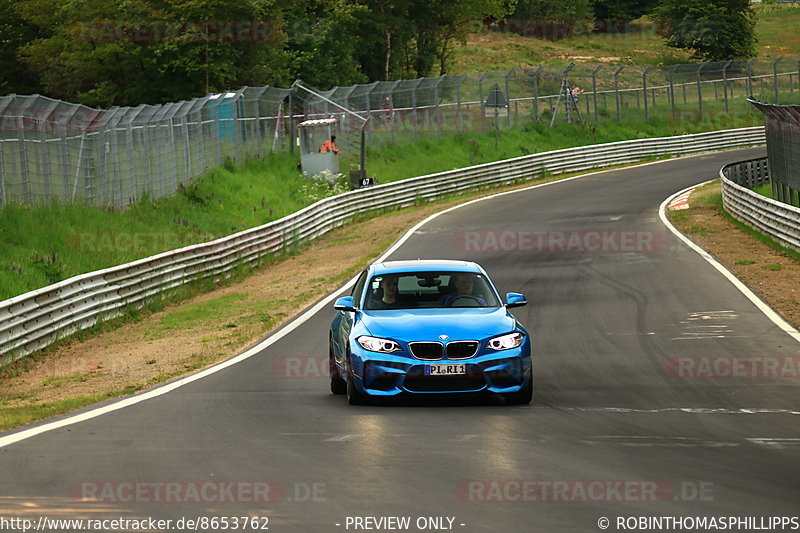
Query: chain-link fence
[(51, 150), (782, 125)]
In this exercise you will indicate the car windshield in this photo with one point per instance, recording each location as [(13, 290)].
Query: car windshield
[(416, 290)]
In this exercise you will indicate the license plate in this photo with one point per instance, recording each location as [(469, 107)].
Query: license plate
[(445, 370)]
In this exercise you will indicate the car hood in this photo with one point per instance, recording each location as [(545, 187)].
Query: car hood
[(427, 324)]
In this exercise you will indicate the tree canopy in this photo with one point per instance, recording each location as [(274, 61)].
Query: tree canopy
[(714, 30)]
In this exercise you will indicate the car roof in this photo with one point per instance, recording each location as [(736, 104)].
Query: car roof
[(425, 265)]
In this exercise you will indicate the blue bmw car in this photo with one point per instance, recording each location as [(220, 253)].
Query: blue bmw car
[(428, 327)]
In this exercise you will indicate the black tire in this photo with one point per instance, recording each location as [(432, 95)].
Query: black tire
[(354, 396), (524, 396), (338, 385)]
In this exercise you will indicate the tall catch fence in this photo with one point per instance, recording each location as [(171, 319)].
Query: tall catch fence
[(55, 151), (782, 125)]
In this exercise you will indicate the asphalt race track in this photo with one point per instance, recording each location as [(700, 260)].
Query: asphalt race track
[(635, 411)]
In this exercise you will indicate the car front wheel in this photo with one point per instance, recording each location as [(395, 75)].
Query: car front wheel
[(354, 396), (338, 385)]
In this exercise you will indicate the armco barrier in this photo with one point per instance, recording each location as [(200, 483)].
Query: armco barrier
[(778, 220), (33, 320)]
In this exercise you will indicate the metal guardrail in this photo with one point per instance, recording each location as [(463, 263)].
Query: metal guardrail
[(33, 320), (778, 220)]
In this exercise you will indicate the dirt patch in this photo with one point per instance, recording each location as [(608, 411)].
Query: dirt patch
[(773, 275)]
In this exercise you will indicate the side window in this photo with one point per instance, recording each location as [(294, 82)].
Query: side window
[(358, 288)]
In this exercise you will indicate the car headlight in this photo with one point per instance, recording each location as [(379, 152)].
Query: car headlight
[(374, 344), (506, 342)]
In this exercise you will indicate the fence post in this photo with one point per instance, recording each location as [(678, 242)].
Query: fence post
[(700, 89), (594, 92), (2, 179), (438, 107), (46, 165), (670, 75), (78, 166), (508, 98), (775, 79), (23, 162), (616, 91), (291, 123), (483, 108), (644, 93), (391, 111), (725, 83), (750, 77), (536, 114)]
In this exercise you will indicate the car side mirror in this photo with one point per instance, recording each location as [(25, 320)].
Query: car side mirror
[(515, 299), (345, 303)]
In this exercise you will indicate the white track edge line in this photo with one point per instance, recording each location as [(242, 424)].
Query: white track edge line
[(770, 313), (291, 326)]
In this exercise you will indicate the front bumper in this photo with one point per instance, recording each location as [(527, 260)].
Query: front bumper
[(499, 372)]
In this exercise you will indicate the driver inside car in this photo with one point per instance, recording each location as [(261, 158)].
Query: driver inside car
[(463, 284)]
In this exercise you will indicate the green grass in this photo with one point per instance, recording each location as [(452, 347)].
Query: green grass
[(15, 416), (766, 190)]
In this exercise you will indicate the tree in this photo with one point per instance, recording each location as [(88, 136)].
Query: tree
[(442, 23), (552, 19), (323, 43), (14, 33), (715, 30), (106, 52), (622, 9)]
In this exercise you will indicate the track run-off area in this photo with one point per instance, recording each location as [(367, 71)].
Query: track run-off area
[(661, 390)]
